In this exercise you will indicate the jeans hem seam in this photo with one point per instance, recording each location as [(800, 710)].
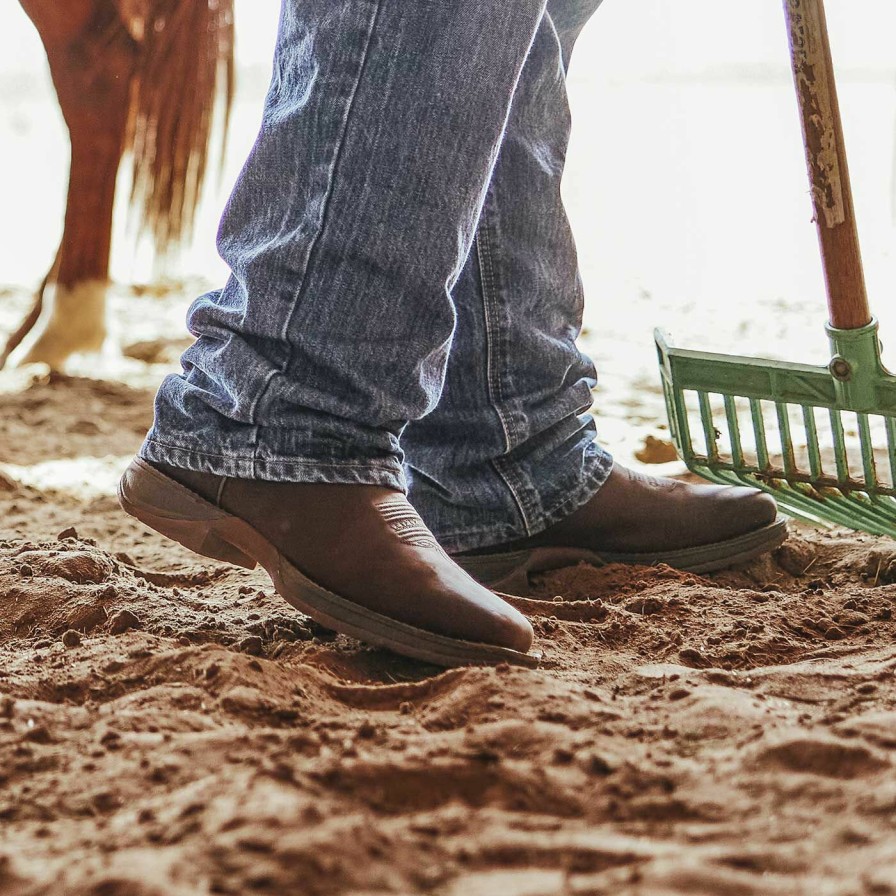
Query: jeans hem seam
[(287, 461), (587, 489), (475, 539)]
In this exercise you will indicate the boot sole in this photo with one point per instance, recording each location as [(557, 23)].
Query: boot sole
[(190, 520), (509, 572)]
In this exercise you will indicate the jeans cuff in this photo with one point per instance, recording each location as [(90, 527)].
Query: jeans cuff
[(386, 473), (555, 507), (568, 503)]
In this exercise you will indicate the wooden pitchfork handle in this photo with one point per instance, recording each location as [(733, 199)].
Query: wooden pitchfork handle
[(813, 74)]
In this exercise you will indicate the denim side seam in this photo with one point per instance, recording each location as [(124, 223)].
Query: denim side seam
[(521, 491), (525, 493)]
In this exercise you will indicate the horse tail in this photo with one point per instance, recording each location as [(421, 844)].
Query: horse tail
[(185, 66)]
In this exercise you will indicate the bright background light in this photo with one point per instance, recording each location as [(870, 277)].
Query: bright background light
[(685, 181)]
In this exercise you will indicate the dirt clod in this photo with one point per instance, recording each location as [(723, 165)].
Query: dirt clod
[(656, 451), (122, 621), (253, 645), (71, 638)]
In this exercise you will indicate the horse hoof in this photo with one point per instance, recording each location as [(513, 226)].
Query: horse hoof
[(73, 321)]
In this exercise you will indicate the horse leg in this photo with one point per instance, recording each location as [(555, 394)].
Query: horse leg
[(92, 59)]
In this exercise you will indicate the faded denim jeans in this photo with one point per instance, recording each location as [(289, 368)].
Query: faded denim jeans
[(404, 299)]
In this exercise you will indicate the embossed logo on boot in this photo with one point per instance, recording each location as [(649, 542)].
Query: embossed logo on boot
[(404, 521)]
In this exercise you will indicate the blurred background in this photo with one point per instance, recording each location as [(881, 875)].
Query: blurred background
[(685, 184)]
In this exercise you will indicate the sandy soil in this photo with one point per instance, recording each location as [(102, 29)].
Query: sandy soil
[(170, 726)]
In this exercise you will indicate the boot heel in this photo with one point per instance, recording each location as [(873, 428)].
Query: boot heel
[(215, 547), (196, 535), (178, 514)]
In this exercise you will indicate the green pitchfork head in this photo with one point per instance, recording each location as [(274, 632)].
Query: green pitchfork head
[(734, 419), (822, 440)]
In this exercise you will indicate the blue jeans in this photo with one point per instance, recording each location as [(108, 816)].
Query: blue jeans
[(404, 299)]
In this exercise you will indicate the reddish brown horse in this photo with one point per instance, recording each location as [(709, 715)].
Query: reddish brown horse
[(132, 76)]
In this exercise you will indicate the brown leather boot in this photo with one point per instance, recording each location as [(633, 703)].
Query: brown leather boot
[(356, 558), (641, 520)]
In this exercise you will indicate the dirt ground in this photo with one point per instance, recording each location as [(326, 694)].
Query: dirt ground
[(169, 726)]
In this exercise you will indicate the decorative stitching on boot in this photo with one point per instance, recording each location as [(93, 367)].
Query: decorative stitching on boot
[(405, 522)]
